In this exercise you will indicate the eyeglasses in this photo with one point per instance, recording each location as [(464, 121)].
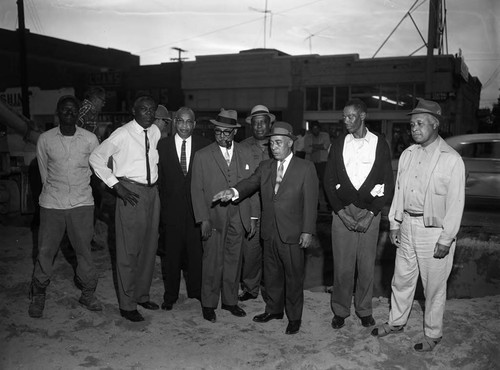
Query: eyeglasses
[(226, 133)]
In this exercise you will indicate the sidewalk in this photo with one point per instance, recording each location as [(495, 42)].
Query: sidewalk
[(70, 337)]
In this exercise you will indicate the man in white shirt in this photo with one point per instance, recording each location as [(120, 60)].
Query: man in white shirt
[(132, 148), (358, 181)]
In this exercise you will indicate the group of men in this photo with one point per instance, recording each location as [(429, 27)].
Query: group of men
[(244, 212)]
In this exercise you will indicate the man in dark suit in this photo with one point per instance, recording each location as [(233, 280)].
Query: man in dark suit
[(223, 226), (181, 236), (289, 190), (358, 182)]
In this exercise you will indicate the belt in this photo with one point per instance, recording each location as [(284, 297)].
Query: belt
[(126, 179), (411, 214)]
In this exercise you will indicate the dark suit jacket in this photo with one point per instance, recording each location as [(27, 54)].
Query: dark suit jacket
[(210, 176), (174, 187), (294, 208)]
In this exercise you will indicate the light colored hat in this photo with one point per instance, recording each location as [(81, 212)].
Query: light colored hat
[(427, 106), (227, 119), (282, 129), (260, 110), (162, 113)]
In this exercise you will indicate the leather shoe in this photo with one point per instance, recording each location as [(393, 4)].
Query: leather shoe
[(133, 315), (367, 321), (167, 306), (149, 305), (235, 310), (338, 322), (293, 327), (246, 296), (209, 314), (265, 317)]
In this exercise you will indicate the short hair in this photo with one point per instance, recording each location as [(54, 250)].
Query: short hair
[(358, 104), (434, 119), (187, 110), (142, 98), (95, 91), (64, 99), (315, 124)]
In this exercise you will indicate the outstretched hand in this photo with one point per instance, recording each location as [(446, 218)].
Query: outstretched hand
[(223, 196)]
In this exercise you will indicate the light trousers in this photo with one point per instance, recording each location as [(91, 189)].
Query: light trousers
[(414, 257)]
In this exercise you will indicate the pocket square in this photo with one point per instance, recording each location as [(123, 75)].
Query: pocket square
[(247, 167), (337, 187), (377, 191)]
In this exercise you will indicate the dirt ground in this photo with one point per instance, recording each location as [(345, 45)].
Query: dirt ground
[(70, 337)]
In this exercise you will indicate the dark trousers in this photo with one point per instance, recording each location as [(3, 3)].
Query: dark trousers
[(182, 250), (284, 277), (251, 272), (353, 250), (222, 262), (136, 245), (79, 224)]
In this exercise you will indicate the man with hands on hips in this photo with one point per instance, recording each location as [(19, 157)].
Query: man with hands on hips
[(289, 191)]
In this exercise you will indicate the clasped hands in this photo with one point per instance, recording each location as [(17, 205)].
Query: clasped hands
[(360, 225)]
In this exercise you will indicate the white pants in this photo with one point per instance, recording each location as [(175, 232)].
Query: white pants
[(414, 256)]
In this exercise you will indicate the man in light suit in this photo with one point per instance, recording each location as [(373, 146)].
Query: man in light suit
[(289, 191), (223, 226), (181, 241)]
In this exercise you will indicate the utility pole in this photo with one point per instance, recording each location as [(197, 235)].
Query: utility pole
[(433, 42), (23, 65), (180, 51)]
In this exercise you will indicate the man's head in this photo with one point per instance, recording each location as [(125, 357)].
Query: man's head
[(67, 110), (162, 117), (354, 117), (424, 122), (315, 128), (144, 110), (260, 120), (96, 95), (225, 127), (184, 122), (281, 140)]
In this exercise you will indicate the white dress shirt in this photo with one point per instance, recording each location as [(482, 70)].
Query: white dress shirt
[(359, 156), (224, 151), (178, 146), (126, 146)]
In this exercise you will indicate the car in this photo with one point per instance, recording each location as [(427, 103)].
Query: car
[(481, 155)]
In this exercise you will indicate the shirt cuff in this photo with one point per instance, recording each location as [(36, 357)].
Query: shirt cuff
[(236, 194)]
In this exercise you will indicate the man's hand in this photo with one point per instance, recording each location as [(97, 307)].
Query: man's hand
[(305, 240), (395, 236), (364, 222), (253, 228), (125, 194), (348, 221), (441, 251), (224, 196), (206, 229)]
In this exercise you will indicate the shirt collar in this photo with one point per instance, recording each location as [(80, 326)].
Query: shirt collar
[(431, 148), (368, 137), (179, 139), (138, 128), (288, 158), (78, 132)]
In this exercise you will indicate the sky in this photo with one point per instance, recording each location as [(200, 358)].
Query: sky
[(151, 28)]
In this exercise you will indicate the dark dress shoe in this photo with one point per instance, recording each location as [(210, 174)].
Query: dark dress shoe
[(133, 315), (235, 310), (167, 306), (209, 314), (338, 322), (293, 327), (367, 321), (265, 317), (149, 305), (246, 296)]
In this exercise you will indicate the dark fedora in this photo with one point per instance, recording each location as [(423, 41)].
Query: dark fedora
[(227, 119), (260, 110), (282, 129), (427, 106)]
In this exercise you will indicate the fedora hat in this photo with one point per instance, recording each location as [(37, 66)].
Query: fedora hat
[(162, 113), (260, 110), (282, 129), (227, 119), (427, 106)]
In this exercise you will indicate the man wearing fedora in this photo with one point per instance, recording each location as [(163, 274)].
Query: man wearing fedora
[(251, 273), (162, 119), (223, 226), (358, 181), (424, 221), (289, 189)]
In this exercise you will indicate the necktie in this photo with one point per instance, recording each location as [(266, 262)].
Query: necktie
[(279, 177), (148, 169), (183, 158), (227, 157)]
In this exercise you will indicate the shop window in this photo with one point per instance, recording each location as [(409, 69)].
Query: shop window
[(312, 98), (341, 97), (369, 94), (401, 138), (389, 97), (406, 97), (326, 98)]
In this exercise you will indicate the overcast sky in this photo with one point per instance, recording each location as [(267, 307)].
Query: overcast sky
[(150, 28)]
